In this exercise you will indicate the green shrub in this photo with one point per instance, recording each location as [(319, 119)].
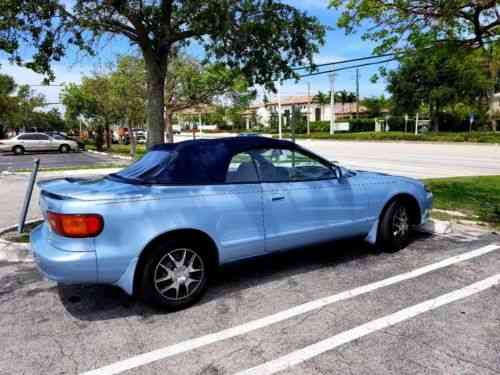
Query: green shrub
[(359, 125)]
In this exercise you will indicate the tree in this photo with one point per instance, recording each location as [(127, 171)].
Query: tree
[(376, 105), (322, 99), (38, 23), (92, 100), (128, 91), (443, 79), (191, 84), (426, 24), (8, 102), (470, 23), (262, 39), (344, 97)]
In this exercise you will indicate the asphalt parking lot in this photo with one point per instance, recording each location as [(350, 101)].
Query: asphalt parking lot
[(342, 308), (11, 162)]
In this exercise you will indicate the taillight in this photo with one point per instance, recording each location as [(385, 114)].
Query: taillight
[(77, 226)]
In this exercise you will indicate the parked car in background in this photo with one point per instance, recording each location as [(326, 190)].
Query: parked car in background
[(195, 205), (141, 139), (33, 142), (60, 136)]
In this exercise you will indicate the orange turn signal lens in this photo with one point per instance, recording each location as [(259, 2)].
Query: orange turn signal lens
[(77, 226)]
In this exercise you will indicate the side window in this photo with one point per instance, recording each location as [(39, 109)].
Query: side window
[(281, 165), (40, 137), (241, 169), (26, 137)]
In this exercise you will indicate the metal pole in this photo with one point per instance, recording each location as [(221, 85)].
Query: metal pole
[(27, 198), (308, 108), (416, 125), (332, 104), (279, 112)]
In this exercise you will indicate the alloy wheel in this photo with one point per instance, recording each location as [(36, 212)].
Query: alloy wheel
[(400, 223), (178, 274)]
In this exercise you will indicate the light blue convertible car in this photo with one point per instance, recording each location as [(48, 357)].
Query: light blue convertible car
[(160, 227)]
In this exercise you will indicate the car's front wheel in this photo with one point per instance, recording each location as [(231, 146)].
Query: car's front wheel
[(175, 276), (64, 149), (395, 227)]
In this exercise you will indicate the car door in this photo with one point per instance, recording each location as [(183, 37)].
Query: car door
[(43, 142), (237, 210), (28, 141), (305, 203)]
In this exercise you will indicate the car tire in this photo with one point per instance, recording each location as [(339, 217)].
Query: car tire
[(18, 150), (175, 275), (395, 227), (64, 149)]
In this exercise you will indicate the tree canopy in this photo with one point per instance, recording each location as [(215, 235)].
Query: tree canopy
[(443, 80), (261, 38), (469, 23)]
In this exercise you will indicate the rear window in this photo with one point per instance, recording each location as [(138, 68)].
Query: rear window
[(147, 169)]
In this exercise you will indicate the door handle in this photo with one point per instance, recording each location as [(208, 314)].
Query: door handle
[(276, 198)]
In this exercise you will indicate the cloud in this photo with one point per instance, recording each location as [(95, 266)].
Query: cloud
[(63, 73)]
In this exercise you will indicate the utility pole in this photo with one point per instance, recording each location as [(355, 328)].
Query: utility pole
[(308, 108), (279, 112), (357, 93), (332, 103)]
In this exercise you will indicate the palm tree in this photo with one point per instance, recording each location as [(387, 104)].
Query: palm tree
[(322, 99)]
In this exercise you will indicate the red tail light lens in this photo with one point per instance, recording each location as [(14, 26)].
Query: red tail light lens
[(76, 226)]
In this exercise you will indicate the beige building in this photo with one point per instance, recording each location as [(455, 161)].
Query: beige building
[(311, 109)]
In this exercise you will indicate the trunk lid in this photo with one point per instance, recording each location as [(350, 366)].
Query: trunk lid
[(101, 189)]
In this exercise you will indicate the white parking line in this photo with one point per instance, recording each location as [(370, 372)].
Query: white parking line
[(185, 346), (314, 350)]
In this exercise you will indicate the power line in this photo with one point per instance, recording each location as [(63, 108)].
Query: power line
[(347, 68), (347, 61)]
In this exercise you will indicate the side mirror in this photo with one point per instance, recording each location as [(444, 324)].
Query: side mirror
[(338, 172)]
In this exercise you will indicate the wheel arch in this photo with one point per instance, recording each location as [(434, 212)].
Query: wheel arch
[(411, 201), (188, 234)]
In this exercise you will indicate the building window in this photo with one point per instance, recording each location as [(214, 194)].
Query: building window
[(317, 114)]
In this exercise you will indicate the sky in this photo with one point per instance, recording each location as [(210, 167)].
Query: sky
[(338, 46)]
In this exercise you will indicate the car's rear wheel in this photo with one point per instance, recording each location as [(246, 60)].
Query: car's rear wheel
[(18, 150), (175, 275), (395, 227), (64, 149)]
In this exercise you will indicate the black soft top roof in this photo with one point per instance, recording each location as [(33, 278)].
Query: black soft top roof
[(203, 161)]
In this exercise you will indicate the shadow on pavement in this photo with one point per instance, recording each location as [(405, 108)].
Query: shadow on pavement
[(104, 302)]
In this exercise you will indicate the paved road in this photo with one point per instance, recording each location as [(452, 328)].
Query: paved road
[(51, 329), (412, 159), (10, 162), (420, 160)]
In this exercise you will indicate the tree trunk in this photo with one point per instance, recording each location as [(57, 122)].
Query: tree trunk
[(133, 142), (155, 101), (169, 126), (108, 135)]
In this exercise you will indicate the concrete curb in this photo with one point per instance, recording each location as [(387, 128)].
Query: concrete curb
[(16, 252), (436, 227), (110, 155), (13, 252)]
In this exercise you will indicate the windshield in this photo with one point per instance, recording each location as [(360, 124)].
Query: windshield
[(148, 168)]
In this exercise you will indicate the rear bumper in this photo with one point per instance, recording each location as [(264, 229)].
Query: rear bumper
[(67, 267)]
